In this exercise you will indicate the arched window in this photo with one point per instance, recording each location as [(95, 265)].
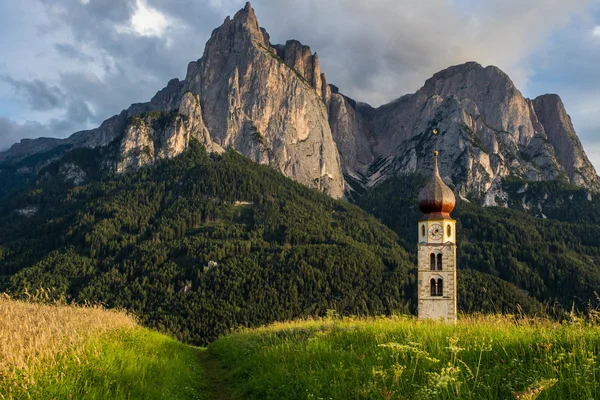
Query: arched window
[(432, 262), (433, 287), (422, 230), (439, 262), (440, 287), (449, 230)]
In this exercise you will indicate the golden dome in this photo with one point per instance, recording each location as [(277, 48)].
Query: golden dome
[(436, 199)]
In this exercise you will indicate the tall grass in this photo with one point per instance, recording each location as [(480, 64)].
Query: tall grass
[(494, 357), (60, 352)]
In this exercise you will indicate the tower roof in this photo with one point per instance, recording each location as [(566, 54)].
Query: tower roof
[(436, 199)]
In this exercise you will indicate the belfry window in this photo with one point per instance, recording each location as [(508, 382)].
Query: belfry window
[(439, 262), (433, 287), (432, 262), (440, 287), (422, 230), (449, 230)]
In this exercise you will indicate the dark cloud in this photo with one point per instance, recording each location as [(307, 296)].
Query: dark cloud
[(124, 66), (69, 51), (378, 50), (38, 94)]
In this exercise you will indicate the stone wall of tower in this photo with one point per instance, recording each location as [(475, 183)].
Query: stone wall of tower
[(437, 307)]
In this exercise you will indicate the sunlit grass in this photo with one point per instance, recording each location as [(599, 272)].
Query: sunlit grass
[(494, 357), (59, 352)]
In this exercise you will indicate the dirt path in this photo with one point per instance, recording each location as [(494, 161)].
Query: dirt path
[(213, 375)]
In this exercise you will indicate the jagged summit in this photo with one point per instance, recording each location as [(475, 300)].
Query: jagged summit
[(266, 106), (273, 104), (244, 22)]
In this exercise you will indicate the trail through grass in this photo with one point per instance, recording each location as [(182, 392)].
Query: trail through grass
[(213, 375)]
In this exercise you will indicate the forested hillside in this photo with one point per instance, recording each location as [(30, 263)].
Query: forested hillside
[(555, 260), (201, 244)]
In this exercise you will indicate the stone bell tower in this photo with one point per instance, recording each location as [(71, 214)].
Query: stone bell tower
[(437, 250)]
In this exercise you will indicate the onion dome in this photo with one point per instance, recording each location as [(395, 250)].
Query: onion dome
[(436, 199)]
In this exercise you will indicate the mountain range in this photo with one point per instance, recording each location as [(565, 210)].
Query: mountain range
[(272, 103), (166, 211)]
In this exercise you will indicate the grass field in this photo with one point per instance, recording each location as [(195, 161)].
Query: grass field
[(401, 358), (57, 352)]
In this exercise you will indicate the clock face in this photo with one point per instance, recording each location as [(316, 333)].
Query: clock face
[(436, 232)]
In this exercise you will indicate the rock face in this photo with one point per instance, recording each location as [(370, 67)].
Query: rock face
[(488, 131), (253, 101), (273, 104), (155, 135), (561, 135), (264, 101)]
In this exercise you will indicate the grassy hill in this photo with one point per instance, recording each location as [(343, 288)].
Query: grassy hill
[(401, 358), (202, 244), (60, 352), (66, 352)]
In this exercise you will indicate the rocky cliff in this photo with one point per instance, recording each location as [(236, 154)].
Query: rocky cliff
[(273, 104), (269, 110), (557, 125), (488, 131), (264, 101)]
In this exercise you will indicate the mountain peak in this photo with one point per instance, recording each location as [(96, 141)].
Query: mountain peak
[(273, 104), (474, 72), (246, 18), (235, 34), (245, 13)]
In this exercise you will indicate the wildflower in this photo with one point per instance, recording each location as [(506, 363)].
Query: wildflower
[(378, 372), (453, 345), (446, 378), (398, 369)]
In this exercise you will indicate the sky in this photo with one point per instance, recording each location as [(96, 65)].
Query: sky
[(67, 65)]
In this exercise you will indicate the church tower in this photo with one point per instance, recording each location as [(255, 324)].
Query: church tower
[(437, 250)]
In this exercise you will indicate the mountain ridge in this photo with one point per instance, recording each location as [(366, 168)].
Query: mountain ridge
[(272, 103)]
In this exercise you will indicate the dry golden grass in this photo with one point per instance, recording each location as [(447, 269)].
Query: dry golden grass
[(34, 336)]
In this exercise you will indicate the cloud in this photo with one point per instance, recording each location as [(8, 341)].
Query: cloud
[(378, 50), (374, 51), (567, 64), (69, 51), (145, 21), (12, 132), (74, 119), (39, 95), (596, 31)]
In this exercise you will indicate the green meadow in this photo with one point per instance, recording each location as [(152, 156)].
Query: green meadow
[(61, 352), (402, 358)]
